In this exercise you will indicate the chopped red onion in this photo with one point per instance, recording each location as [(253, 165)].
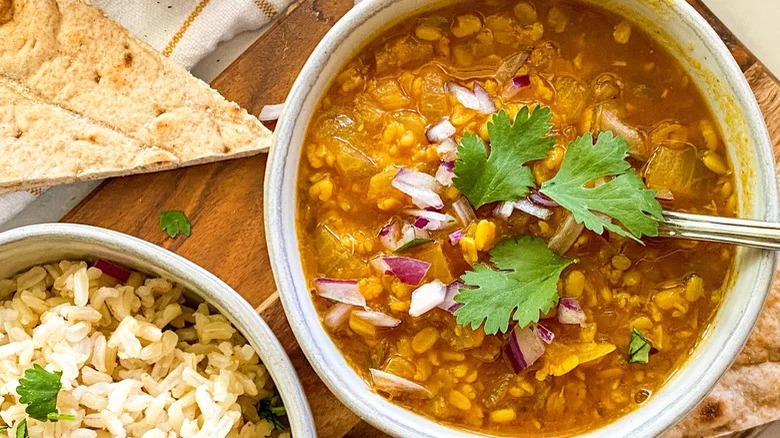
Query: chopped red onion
[(380, 266), (394, 385), (421, 187), (463, 95), (270, 112), (389, 235), (523, 348), (463, 211), (609, 121), (449, 304), (445, 174), (455, 237), (427, 297), (430, 220), (112, 270), (508, 69), (541, 199), (440, 131), (545, 334), (448, 150), (566, 235), (337, 315), (570, 312), (408, 270), (504, 209), (486, 104), (343, 291), (515, 85), (529, 207), (377, 319)]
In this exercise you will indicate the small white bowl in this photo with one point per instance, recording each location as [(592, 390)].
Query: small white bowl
[(674, 24), (22, 248)]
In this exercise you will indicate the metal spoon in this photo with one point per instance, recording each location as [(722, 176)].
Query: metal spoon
[(745, 232)]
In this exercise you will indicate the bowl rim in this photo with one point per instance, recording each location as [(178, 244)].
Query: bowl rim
[(382, 414), (206, 285)]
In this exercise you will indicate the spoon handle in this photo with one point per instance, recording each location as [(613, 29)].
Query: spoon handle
[(745, 232)]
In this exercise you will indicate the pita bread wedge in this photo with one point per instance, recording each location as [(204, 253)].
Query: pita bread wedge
[(81, 98)]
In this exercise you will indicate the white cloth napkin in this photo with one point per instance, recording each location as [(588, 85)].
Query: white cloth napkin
[(184, 30)]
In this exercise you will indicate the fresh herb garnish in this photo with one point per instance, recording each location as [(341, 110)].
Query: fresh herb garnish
[(3, 428), (38, 390), (411, 244), (502, 176), (639, 348), (21, 429), (174, 222), (624, 198), (523, 285), (274, 412)]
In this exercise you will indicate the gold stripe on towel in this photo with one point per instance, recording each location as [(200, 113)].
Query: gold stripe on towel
[(180, 33), (266, 8)]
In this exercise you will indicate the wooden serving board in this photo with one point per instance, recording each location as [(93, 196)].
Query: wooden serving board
[(224, 201)]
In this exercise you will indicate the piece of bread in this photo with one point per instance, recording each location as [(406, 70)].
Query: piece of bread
[(81, 98)]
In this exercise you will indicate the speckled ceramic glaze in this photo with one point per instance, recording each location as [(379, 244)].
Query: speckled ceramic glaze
[(25, 247), (677, 26)]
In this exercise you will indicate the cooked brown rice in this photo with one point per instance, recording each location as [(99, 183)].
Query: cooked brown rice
[(136, 360)]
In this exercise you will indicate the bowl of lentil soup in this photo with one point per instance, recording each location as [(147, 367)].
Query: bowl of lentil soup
[(425, 215)]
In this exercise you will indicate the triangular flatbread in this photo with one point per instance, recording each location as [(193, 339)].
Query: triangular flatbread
[(81, 98)]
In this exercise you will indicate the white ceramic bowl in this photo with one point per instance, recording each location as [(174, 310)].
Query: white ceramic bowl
[(25, 247), (674, 24)]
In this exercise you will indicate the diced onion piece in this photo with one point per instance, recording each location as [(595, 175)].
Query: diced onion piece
[(463, 211), (409, 232), (408, 270), (448, 150), (455, 237), (570, 312), (523, 348), (529, 207), (441, 131), (486, 104), (380, 266), (541, 199), (271, 112), (566, 235), (427, 297), (398, 386), (508, 69), (421, 187), (112, 270), (343, 291), (377, 319), (449, 304), (444, 173), (389, 235), (430, 220), (504, 209), (464, 96), (516, 84), (544, 334), (337, 315)]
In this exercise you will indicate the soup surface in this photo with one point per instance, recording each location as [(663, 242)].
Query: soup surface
[(624, 314)]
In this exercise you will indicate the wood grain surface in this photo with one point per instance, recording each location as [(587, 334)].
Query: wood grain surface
[(224, 201)]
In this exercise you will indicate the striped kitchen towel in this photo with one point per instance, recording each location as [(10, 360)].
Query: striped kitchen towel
[(184, 30)]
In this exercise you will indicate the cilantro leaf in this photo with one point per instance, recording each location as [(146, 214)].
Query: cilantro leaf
[(174, 222), (38, 390), (274, 412), (21, 429), (502, 176), (639, 348), (411, 244), (624, 198), (55, 417), (523, 285)]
